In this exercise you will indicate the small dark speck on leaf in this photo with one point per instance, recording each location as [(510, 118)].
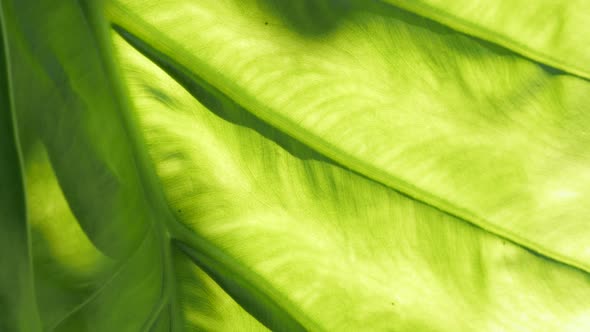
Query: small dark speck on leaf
[(179, 210), (265, 23), (392, 303)]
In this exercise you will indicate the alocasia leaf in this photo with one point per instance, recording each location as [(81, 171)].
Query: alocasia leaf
[(335, 165)]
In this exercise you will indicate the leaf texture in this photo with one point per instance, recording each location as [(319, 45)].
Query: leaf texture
[(480, 129), (552, 32), (101, 254), (17, 296), (350, 253), (318, 165)]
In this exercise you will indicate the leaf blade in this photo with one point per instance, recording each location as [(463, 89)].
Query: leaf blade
[(338, 246), (409, 165)]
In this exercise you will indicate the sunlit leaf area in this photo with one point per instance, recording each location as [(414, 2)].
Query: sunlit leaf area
[(295, 165)]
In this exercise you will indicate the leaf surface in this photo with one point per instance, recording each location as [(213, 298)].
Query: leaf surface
[(552, 32), (17, 296), (289, 213), (331, 165), (465, 126), (101, 254)]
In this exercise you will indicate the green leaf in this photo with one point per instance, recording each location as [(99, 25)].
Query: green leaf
[(335, 165), (102, 256), (17, 296), (552, 32), (478, 116)]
